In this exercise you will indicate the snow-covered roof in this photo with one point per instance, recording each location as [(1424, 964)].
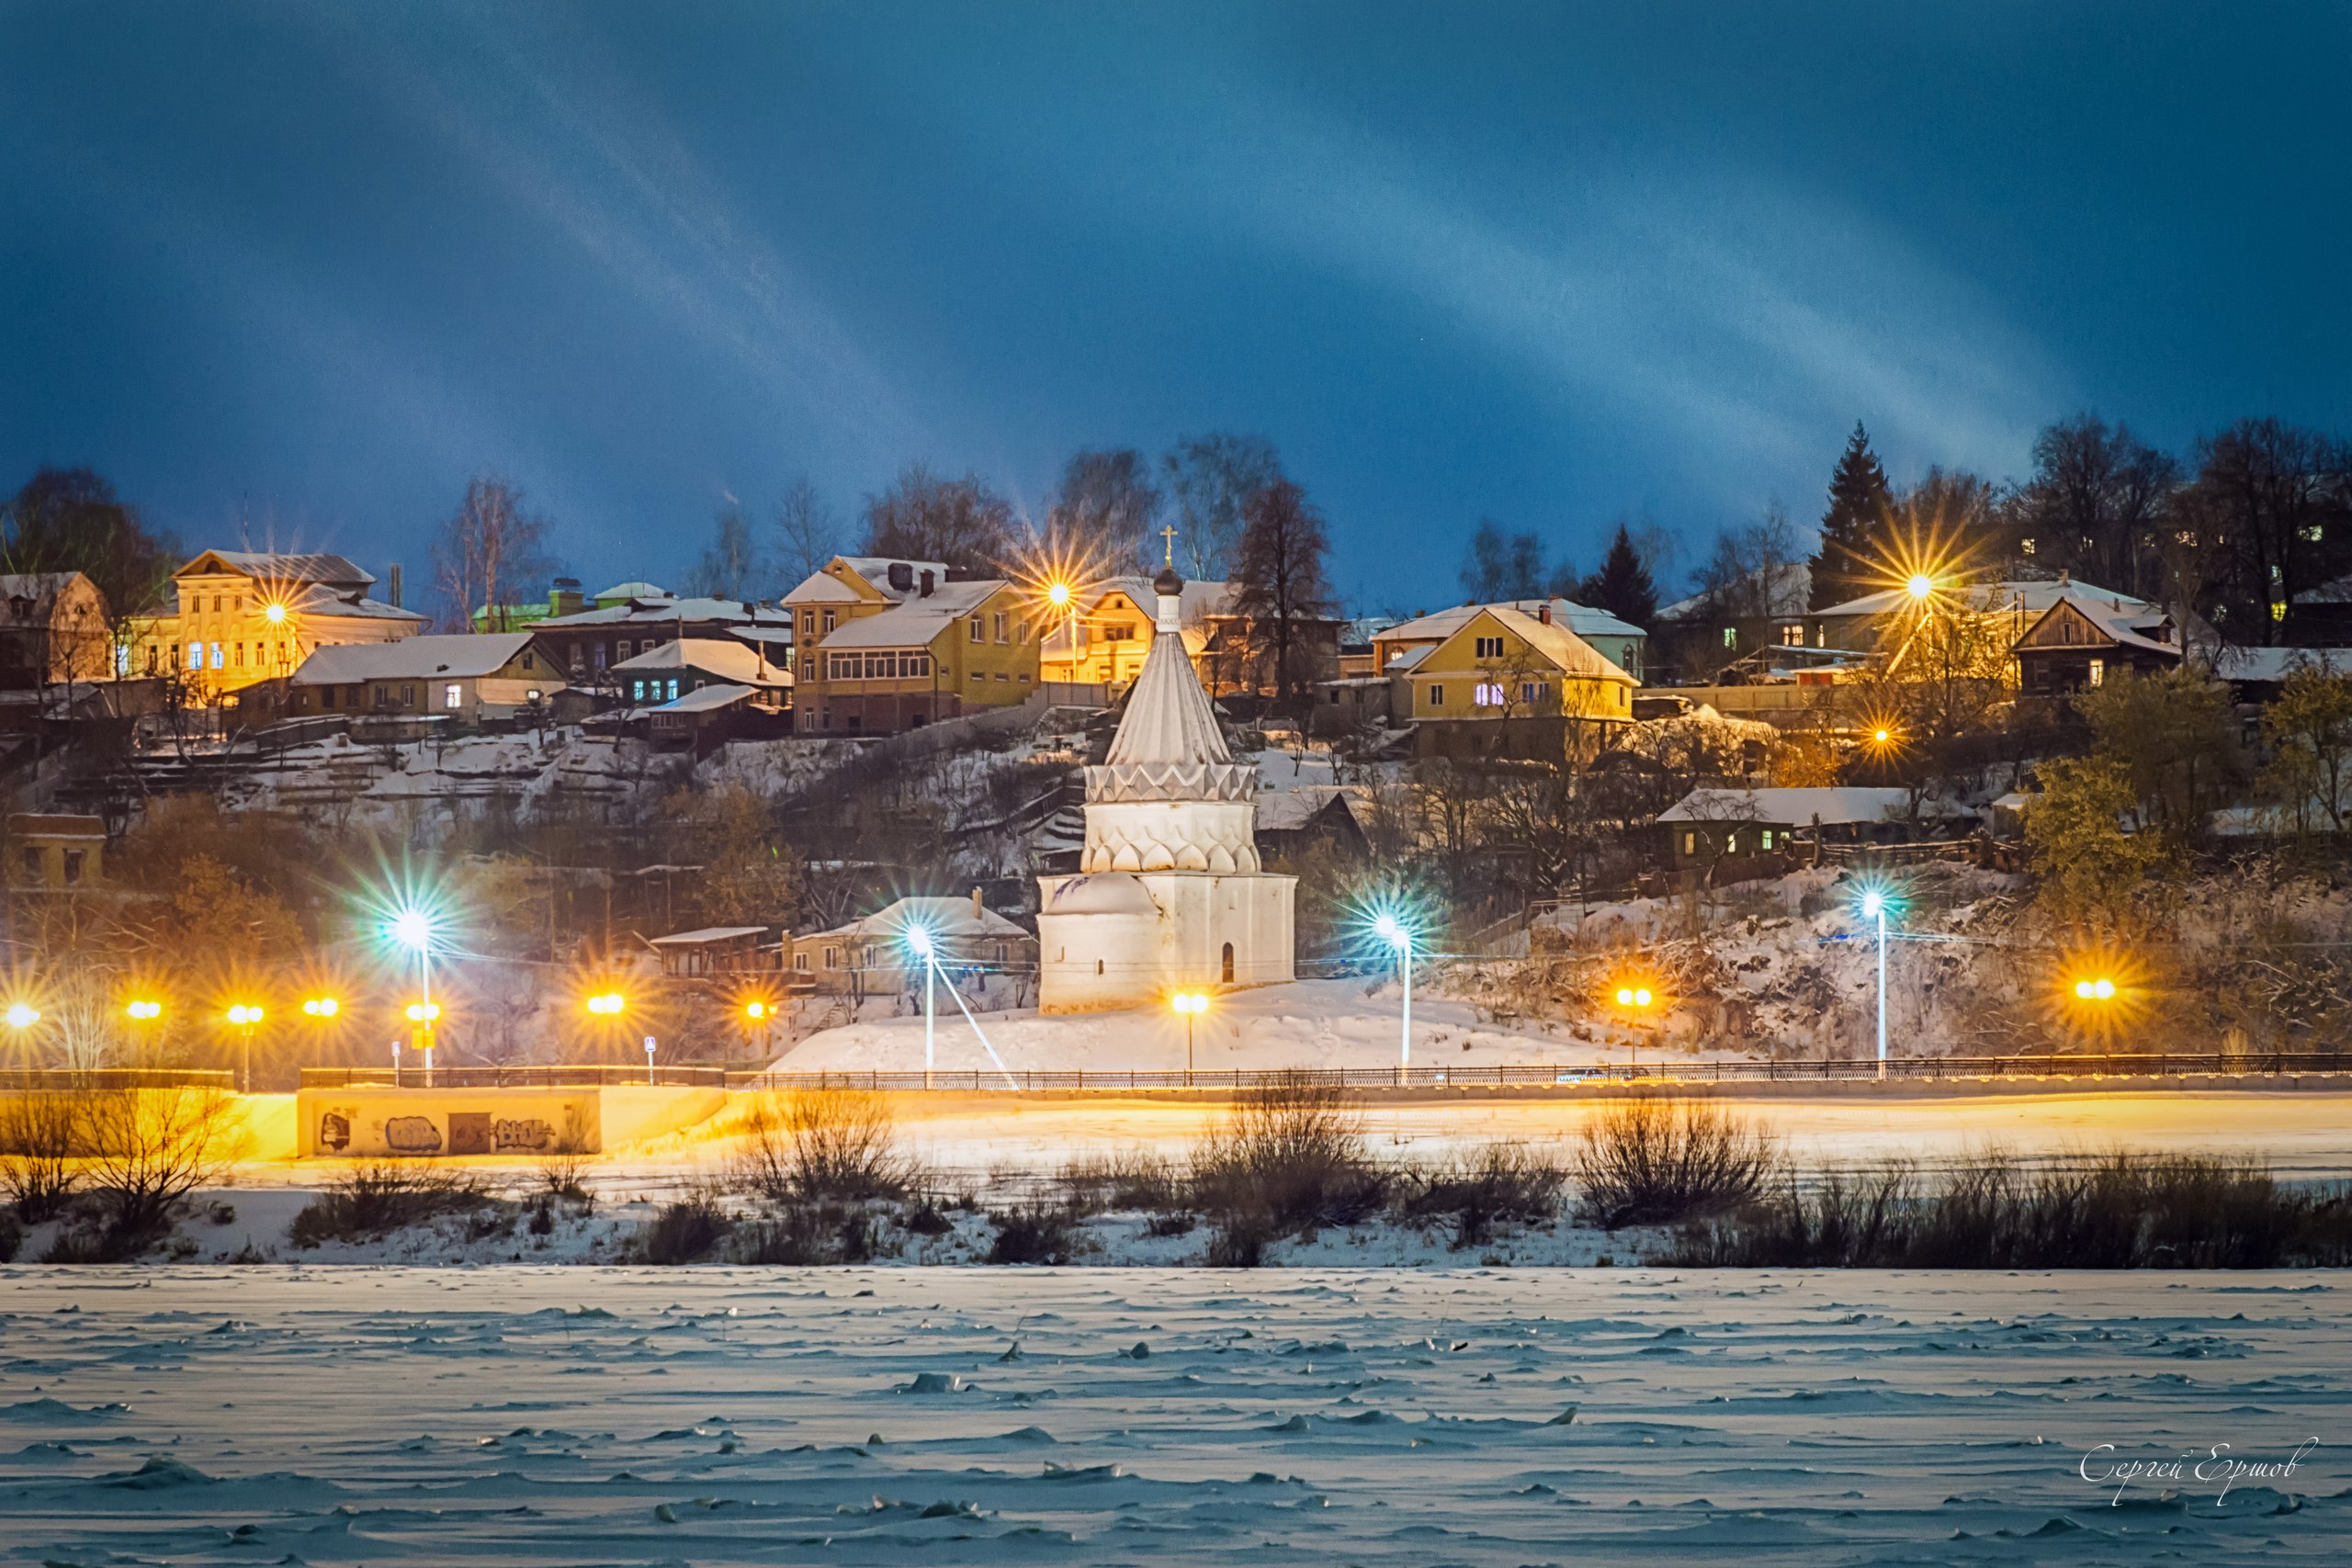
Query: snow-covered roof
[(35, 585), (1290, 810), (1169, 719), (270, 566), (707, 934), (874, 570), (948, 920), (823, 588), (707, 699), (322, 601), (670, 612), (416, 658), (630, 590), (1564, 648), (2278, 664), (1582, 619), (733, 660), (2033, 595), (1841, 804), (914, 623)]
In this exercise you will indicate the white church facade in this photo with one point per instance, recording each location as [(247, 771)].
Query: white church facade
[(1169, 893)]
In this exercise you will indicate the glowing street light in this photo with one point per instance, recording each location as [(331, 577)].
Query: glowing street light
[(606, 1003), (1921, 587), (1191, 1005), (920, 942), (276, 615), (759, 1015), (1393, 930), (1874, 902), (245, 1015), (20, 1016), (321, 1007), (2101, 989), (144, 1010)]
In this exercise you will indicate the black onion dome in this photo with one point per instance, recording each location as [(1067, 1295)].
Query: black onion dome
[(1167, 583)]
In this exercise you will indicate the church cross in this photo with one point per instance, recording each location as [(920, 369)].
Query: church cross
[(1169, 533)]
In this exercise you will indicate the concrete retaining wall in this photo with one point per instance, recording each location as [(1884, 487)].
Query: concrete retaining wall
[(380, 1122)]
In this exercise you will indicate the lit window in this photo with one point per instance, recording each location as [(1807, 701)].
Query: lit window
[(2025, 547), (453, 695), (1731, 636), (196, 656), (637, 691), (1689, 843), (2098, 672), (1488, 694), (216, 656), (1792, 635), (673, 690), (1765, 837)]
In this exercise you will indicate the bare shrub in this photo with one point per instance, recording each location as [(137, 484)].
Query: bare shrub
[(37, 1155), (2118, 1211), (1289, 1156), (1044, 1233), (12, 1236), (687, 1231), (148, 1148), (566, 1160), (1129, 1179), (381, 1196), (804, 1234), (1663, 1160), (824, 1144), (1500, 1182)]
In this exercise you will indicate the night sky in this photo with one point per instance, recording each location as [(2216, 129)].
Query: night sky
[(312, 265)]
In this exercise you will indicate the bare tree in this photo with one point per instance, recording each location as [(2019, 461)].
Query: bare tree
[(486, 554), (808, 535), (729, 566), (148, 1148), (2280, 498), (1279, 566), (2095, 504), (960, 523), (1211, 479), (1104, 511)]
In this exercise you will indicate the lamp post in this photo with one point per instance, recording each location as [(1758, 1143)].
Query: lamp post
[(1635, 1000), (920, 943), (1874, 906), (422, 1014), (1191, 1005), (245, 1015), (1398, 935), (759, 1015)]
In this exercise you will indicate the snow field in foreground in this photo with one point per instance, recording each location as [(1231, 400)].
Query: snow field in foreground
[(525, 1416)]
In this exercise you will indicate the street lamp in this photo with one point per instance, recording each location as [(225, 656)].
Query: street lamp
[(1637, 1000), (920, 942), (321, 1007), (759, 1014), (422, 1014), (1874, 903), (1191, 1005), (1921, 587), (1396, 935), (144, 1011), (245, 1016), (607, 1003), (2100, 991)]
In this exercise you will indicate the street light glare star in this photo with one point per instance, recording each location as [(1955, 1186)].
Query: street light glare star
[(1921, 586), (1059, 595), (1873, 903), (412, 928), (1391, 929), (919, 941), (276, 613), (22, 1017)]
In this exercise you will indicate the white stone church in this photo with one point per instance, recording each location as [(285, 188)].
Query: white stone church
[(1169, 893)]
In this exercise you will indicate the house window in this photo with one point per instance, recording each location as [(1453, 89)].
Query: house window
[(2098, 672), (599, 656), (625, 650), (1001, 676), (1731, 637), (453, 695), (1488, 694), (1003, 622), (327, 696), (73, 859), (216, 656), (1689, 843), (673, 690), (29, 858), (1021, 633), (2025, 547), (1792, 635), (527, 662), (809, 623), (800, 964), (833, 958), (1820, 633), (408, 696), (980, 628), (1530, 690), (1228, 964), (829, 623), (1490, 648), (978, 678), (1764, 837), (241, 655), (637, 691), (196, 656), (1437, 696)]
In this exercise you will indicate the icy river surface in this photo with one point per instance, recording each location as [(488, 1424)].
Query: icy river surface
[(515, 1416)]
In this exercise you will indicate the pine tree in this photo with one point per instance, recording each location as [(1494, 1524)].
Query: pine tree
[(1623, 585), (1860, 506)]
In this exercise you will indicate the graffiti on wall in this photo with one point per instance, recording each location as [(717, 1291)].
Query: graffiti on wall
[(412, 1135), (334, 1132)]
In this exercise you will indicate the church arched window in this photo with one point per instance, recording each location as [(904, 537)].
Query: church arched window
[(1228, 964)]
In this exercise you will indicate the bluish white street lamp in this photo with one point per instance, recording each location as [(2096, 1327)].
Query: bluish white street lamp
[(923, 945), (1874, 902), (1398, 935)]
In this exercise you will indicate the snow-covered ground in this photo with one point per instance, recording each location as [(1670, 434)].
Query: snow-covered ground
[(537, 1416), (1311, 1023)]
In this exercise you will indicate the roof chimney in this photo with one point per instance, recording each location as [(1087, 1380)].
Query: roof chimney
[(1543, 612), (395, 588), (927, 582), (976, 903)]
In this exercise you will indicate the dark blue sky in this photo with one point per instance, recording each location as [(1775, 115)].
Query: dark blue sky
[(1553, 264)]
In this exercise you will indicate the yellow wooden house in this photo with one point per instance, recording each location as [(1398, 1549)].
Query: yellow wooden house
[(1507, 684), (244, 616), (883, 646)]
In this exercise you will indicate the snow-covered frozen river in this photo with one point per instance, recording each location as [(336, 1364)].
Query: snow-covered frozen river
[(519, 1415)]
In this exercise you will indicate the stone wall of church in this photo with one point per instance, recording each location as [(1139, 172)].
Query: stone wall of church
[(1218, 836)]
